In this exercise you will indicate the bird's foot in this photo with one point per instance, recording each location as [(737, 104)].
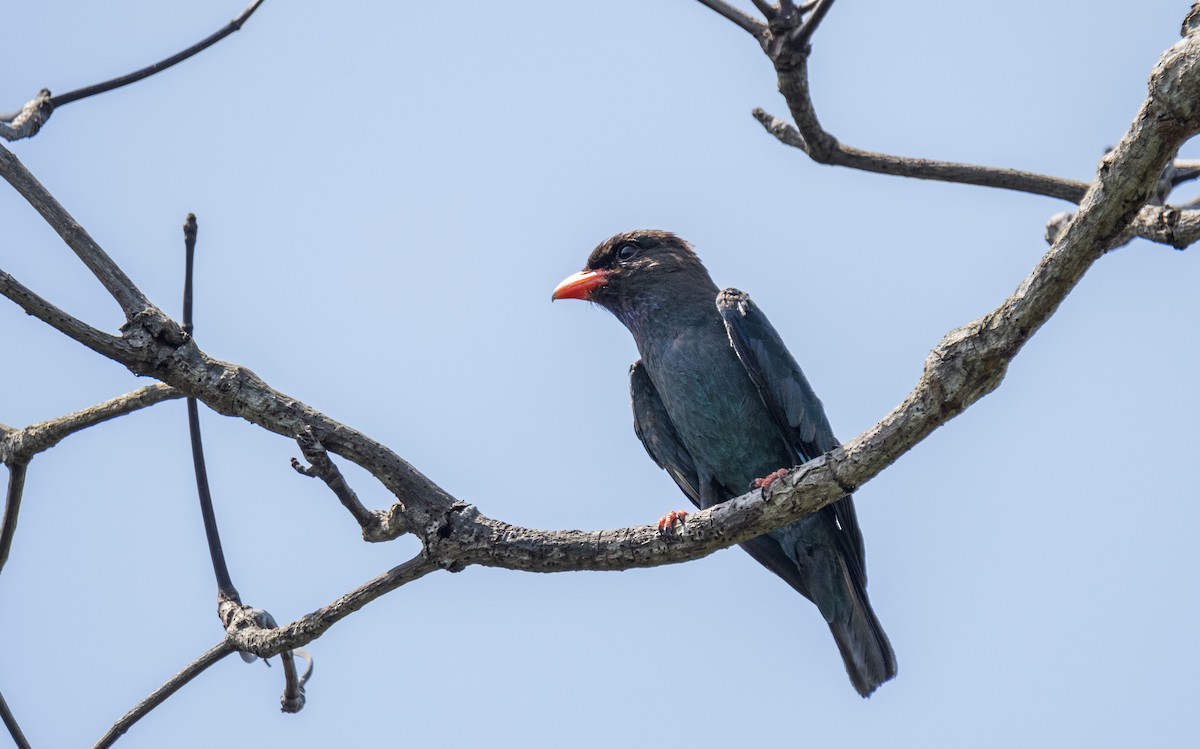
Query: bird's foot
[(667, 523), (765, 482)]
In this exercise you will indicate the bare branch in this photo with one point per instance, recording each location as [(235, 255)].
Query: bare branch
[(10, 722), (766, 8), (323, 467), (836, 154), (160, 695), (23, 444), (18, 446), (1170, 225), (265, 642), (12, 508), (118, 284), (96, 340), (212, 534), (27, 122), (803, 34), (756, 28), (82, 93), (788, 48)]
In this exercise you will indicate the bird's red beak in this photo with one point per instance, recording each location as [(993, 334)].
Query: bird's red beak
[(579, 285)]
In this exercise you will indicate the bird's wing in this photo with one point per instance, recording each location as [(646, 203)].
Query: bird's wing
[(789, 398), (657, 433)]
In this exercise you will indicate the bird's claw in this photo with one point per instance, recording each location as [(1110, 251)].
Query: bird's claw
[(666, 524), (765, 482)]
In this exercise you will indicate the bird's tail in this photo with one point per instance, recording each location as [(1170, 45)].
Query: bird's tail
[(821, 571), (864, 646)]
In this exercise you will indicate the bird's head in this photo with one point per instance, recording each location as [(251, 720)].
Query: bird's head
[(639, 272)]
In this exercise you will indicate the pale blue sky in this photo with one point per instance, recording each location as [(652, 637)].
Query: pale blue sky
[(387, 193)]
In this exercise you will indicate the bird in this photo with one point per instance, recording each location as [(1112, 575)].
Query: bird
[(719, 403)]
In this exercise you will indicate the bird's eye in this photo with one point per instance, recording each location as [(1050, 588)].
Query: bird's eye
[(627, 251)]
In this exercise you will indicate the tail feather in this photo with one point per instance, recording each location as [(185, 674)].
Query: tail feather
[(822, 574), (869, 658)]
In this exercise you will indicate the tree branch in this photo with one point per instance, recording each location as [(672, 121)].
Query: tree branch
[(786, 42), (18, 446), (834, 153), (266, 642), (322, 467), (160, 695), (96, 340), (805, 32), (109, 274), (12, 507), (749, 23), (10, 722), (27, 122), (1175, 227)]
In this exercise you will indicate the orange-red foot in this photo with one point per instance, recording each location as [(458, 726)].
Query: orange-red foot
[(666, 524), (765, 482)]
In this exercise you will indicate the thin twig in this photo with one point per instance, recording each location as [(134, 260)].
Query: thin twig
[(189, 672), (29, 120), (790, 55), (266, 642), (68, 325), (225, 588), (10, 722), (943, 171), (813, 22), (752, 25), (324, 468), (765, 7), (146, 72), (12, 508)]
